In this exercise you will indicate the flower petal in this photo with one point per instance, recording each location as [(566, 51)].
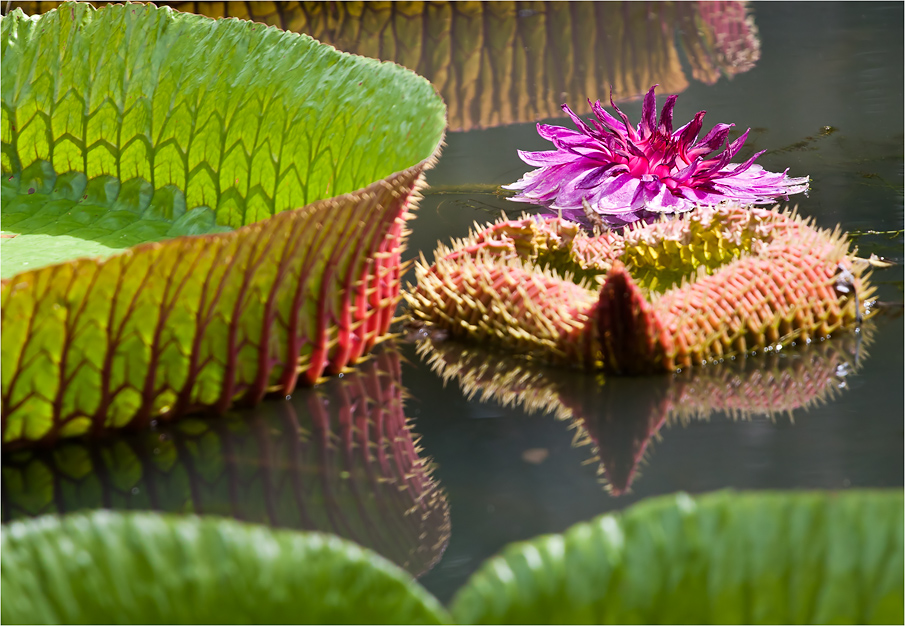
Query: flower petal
[(611, 122), (648, 114), (626, 174), (665, 126), (542, 159), (689, 133), (582, 126), (629, 131), (712, 141)]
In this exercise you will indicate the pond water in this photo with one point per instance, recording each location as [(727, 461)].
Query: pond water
[(821, 85)]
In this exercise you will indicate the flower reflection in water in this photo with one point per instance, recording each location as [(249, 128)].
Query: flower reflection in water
[(619, 419), (340, 458)]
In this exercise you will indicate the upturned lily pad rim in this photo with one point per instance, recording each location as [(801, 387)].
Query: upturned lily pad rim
[(192, 323)]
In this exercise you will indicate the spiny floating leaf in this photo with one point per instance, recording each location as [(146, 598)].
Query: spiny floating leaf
[(143, 568), (137, 122), (501, 62), (618, 418), (526, 285), (340, 458), (723, 558)]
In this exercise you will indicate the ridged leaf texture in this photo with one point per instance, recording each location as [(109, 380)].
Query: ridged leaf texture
[(503, 62), (340, 458), (144, 568), (133, 120), (751, 280), (723, 558), (619, 418)]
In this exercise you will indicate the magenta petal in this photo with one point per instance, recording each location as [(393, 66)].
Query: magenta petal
[(541, 159), (627, 176), (556, 132), (665, 126), (611, 122), (597, 176), (712, 141), (648, 114), (689, 132), (736, 145), (629, 131), (582, 126), (738, 169), (686, 172)]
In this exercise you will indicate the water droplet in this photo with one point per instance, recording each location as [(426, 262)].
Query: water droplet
[(134, 491), (340, 375), (288, 397)]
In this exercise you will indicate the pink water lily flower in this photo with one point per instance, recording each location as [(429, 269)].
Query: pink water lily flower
[(614, 174)]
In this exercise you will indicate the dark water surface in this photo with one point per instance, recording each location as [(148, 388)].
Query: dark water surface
[(825, 99)]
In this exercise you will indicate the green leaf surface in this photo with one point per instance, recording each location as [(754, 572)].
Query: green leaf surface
[(163, 123), (144, 568), (754, 558), (133, 123), (76, 218)]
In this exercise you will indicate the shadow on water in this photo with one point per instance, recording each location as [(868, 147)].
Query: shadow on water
[(340, 458)]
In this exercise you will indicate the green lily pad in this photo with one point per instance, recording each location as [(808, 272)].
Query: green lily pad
[(724, 558), (144, 568), (267, 175)]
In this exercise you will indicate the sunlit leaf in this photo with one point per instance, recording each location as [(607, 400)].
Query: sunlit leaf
[(134, 123), (144, 568), (724, 558)]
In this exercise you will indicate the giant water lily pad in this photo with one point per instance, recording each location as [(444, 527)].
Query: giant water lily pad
[(144, 568), (502, 62), (724, 558), (268, 175)]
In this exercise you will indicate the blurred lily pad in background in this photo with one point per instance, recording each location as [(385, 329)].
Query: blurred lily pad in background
[(805, 557)]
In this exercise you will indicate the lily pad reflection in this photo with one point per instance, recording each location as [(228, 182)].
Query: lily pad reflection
[(618, 418), (340, 458)]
